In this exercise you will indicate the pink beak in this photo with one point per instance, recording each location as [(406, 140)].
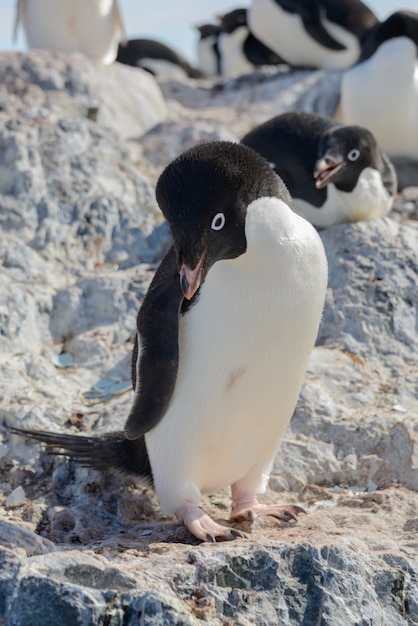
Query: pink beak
[(324, 171), (191, 279)]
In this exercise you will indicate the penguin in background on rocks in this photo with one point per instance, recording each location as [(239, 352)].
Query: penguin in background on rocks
[(240, 51), (381, 91), (208, 55), (156, 58), (223, 340), (398, 24), (93, 27), (325, 34), (334, 173)]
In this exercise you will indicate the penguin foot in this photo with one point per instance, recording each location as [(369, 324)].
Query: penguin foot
[(248, 508), (204, 527)]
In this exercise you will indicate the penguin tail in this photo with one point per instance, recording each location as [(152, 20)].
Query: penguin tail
[(110, 451)]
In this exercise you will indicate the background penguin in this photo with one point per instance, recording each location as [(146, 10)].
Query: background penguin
[(224, 337), (157, 58), (208, 55), (334, 173), (381, 92), (93, 27), (399, 24), (240, 51), (313, 33)]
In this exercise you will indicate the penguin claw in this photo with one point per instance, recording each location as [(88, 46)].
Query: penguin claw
[(284, 512), (204, 527)]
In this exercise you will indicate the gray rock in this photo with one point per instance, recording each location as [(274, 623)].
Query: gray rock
[(124, 98)]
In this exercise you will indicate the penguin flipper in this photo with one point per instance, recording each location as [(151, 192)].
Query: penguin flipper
[(112, 450), (311, 15), (155, 365)]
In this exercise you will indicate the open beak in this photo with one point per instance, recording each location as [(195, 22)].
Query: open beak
[(191, 279), (325, 170)]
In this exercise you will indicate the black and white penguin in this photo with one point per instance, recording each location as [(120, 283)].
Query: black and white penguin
[(156, 58), (398, 24), (381, 92), (93, 27), (208, 55), (223, 341), (334, 173), (240, 51), (324, 34)]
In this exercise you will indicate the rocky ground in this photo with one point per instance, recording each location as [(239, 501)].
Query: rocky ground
[(81, 235)]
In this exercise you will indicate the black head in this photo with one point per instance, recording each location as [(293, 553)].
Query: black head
[(344, 152), (233, 20), (204, 194), (208, 30)]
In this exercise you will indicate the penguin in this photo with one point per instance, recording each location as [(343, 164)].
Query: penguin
[(156, 58), (381, 92), (240, 51), (398, 24), (223, 339), (325, 34), (208, 55), (335, 173), (93, 27)]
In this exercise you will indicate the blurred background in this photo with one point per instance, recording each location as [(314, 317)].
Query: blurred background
[(170, 21)]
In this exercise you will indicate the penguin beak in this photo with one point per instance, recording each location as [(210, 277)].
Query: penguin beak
[(191, 279), (325, 170)]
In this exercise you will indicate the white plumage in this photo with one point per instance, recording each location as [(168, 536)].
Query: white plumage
[(368, 199), (285, 33), (93, 27), (381, 94)]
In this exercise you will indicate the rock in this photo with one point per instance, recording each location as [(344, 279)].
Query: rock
[(16, 498), (80, 239), (15, 537), (124, 98)]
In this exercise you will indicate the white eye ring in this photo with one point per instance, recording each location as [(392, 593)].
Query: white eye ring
[(218, 222), (353, 155)]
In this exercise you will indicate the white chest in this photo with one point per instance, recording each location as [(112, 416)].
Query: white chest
[(206, 56), (88, 26), (369, 199), (382, 95), (233, 59)]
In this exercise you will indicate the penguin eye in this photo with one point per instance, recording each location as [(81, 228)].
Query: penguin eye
[(353, 155), (218, 222)]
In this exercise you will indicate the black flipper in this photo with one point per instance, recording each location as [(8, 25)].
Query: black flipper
[(102, 453), (311, 14), (154, 377)]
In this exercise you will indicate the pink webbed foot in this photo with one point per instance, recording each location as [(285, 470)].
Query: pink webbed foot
[(246, 507), (204, 527)]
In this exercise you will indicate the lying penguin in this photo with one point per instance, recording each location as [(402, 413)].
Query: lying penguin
[(156, 58), (334, 173), (324, 34), (223, 340), (381, 92)]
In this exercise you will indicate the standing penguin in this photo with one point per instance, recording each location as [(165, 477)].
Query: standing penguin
[(240, 51), (208, 55), (324, 34), (93, 27), (334, 173), (223, 341), (381, 92)]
